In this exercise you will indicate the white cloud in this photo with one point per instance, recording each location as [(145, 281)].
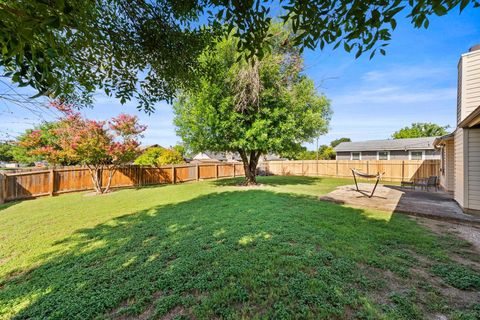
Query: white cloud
[(401, 74), (396, 94)]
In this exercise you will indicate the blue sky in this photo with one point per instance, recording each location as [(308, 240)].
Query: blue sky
[(370, 99)]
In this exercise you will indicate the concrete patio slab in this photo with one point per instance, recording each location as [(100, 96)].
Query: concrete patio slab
[(430, 204)]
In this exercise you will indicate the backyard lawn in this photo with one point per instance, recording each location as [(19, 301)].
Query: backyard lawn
[(211, 250)]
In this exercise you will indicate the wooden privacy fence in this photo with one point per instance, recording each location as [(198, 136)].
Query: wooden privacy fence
[(35, 183), (29, 184), (395, 170)]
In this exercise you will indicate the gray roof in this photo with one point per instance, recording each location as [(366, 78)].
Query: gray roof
[(391, 144)]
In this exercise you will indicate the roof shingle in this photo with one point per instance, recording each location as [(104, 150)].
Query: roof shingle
[(391, 144)]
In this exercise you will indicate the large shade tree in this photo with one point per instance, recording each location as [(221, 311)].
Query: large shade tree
[(148, 49), (421, 129), (251, 108)]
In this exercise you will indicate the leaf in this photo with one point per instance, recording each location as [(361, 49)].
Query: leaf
[(393, 23)]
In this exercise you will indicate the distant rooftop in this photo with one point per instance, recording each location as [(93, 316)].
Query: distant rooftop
[(389, 144)]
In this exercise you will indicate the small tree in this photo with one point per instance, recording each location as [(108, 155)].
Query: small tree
[(6, 151), (149, 157), (159, 156), (420, 129), (170, 156), (253, 109), (99, 145), (326, 152), (44, 134)]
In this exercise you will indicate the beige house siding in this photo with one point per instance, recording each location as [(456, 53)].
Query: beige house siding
[(450, 165), (473, 171), (468, 95), (459, 92), (459, 172), (447, 177)]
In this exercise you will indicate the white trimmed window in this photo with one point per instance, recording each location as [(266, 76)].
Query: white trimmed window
[(355, 156), (416, 155), (383, 155)]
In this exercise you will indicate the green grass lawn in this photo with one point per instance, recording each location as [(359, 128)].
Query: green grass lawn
[(213, 250)]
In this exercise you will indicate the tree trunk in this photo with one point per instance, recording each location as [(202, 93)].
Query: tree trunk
[(109, 181), (96, 180), (250, 166)]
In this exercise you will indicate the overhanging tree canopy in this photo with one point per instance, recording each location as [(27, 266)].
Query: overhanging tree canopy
[(147, 49)]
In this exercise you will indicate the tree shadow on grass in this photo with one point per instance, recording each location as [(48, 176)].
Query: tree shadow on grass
[(222, 255), (272, 180)]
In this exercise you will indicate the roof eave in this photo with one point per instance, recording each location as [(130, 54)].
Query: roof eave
[(471, 120), (438, 141)]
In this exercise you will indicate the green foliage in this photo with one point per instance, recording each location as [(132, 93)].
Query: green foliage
[(267, 107), (40, 40), (40, 47), (326, 153), (159, 156), (22, 153), (170, 156), (210, 251), (356, 26), (6, 151), (305, 155), (149, 157), (336, 142), (419, 129), (180, 149)]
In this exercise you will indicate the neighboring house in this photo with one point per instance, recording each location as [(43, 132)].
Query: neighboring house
[(229, 157), (395, 149), (208, 156), (270, 157), (145, 148), (460, 169)]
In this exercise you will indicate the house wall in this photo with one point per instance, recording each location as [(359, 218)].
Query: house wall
[(367, 155), (473, 170), (342, 156), (448, 174), (468, 94), (458, 192), (394, 155)]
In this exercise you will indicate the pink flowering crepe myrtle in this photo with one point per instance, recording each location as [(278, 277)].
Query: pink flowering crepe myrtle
[(99, 145)]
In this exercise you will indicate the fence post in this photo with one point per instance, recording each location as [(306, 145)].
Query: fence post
[(3, 187), (336, 170), (403, 170), (140, 175), (302, 169), (173, 174), (368, 167), (197, 172), (234, 170), (216, 171), (51, 185)]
